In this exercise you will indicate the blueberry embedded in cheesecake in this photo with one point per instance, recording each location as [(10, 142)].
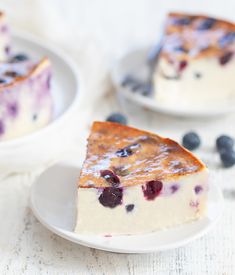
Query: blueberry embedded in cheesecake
[(4, 38), (196, 63), (135, 182), (25, 97)]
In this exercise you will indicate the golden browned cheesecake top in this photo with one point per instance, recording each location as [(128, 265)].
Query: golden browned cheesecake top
[(128, 156), (13, 73), (191, 36)]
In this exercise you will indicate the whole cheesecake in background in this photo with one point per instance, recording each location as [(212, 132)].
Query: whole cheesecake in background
[(25, 97), (197, 63), (4, 37), (135, 182)]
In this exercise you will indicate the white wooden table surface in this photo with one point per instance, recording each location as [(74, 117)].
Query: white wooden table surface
[(26, 247)]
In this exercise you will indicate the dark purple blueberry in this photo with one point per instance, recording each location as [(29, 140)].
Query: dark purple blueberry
[(224, 59), (182, 65), (227, 39), (198, 75), (7, 49), (147, 89), (180, 49), (224, 143), (129, 207), (198, 189), (182, 21), (118, 118), (110, 177), (11, 74), (13, 109), (191, 141), (2, 80), (128, 150), (2, 128), (19, 58), (228, 158), (152, 189), (174, 188), (128, 80), (111, 197), (49, 82), (120, 171), (35, 116), (206, 24)]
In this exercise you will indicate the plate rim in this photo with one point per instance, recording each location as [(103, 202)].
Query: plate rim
[(30, 38), (148, 102), (78, 239)]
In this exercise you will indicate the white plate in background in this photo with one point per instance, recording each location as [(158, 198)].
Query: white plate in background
[(46, 145), (53, 201), (134, 63)]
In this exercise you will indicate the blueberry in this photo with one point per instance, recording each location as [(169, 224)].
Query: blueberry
[(11, 74), (180, 49), (111, 197), (128, 80), (118, 118), (224, 59), (19, 58), (130, 207), (207, 24), (128, 150), (152, 189), (110, 177), (191, 141), (224, 143), (228, 158), (182, 21), (182, 65), (198, 189), (198, 75), (2, 80), (2, 127), (227, 39)]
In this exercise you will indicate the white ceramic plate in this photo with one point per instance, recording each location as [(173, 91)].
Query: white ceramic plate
[(47, 144), (53, 201), (134, 63)]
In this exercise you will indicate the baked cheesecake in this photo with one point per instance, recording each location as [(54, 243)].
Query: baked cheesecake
[(25, 97), (4, 37), (196, 63), (135, 182)]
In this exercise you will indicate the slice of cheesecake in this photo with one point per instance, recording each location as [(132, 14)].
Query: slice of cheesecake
[(4, 37), (135, 182), (196, 64), (25, 97)]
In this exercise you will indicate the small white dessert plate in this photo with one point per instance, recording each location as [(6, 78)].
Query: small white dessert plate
[(57, 136), (134, 63), (53, 202)]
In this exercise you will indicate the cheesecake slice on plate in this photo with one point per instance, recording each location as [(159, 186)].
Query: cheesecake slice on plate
[(25, 97), (197, 62), (136, 182), (4, 37)]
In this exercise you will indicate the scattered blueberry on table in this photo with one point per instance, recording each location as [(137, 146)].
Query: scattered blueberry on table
[(224, 142), (118, 118), (191, 141), (228, 158)]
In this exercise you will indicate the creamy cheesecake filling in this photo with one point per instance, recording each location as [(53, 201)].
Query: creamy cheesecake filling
[(201, 82), (26, 104), (137, 212)]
